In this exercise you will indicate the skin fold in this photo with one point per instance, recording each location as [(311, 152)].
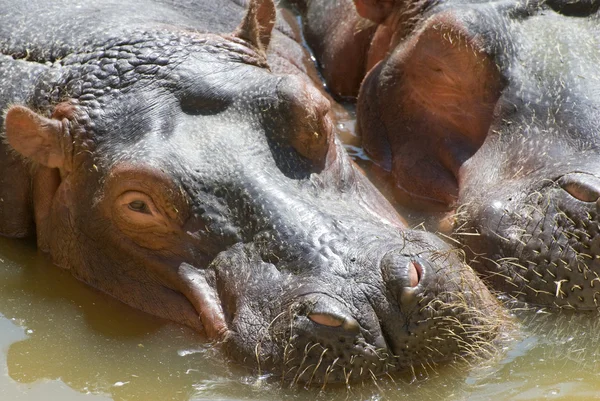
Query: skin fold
[(185, 162)]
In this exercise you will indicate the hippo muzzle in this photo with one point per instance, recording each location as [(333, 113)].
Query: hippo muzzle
[(540, 237), (358, 315)]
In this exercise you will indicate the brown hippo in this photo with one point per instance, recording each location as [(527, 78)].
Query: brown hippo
[(488, 110), (196, 176)]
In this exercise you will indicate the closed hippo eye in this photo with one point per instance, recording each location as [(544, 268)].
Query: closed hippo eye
[(140, 207), (584, 187)]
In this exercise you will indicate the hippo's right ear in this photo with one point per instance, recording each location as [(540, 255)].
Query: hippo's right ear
[(36, 137), (257, 25), (374, 10)]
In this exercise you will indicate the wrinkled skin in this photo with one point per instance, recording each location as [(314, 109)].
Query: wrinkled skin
[(489, 111), (198, 178)]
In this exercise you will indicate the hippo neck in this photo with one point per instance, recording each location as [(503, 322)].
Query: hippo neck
[(75, 24)]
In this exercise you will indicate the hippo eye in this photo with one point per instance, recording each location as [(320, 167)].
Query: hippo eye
[(140, 204), (582, 193), (584, 187), (140, 207), (149, 218)]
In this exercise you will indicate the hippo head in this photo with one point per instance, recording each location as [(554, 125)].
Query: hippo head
[(495, 117), (180, 175)]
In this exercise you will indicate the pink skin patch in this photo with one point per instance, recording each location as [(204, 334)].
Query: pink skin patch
[(415, 272), (326, 320)]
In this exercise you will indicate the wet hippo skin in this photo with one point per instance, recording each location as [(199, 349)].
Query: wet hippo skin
[(487, 110), (196, 175)]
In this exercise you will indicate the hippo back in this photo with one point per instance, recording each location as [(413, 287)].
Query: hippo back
[(67, 26)]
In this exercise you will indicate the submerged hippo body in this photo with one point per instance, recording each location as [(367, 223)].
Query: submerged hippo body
[(196, 176), (490, 110)]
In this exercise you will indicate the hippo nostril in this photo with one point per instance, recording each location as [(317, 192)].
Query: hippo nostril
[(329, 313), (415, 272), (326, 319), (401, 271), (404, 276), (584, 187), (580, 192)]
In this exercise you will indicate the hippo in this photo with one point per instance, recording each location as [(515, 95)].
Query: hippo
[(488, 112), (196, 175)]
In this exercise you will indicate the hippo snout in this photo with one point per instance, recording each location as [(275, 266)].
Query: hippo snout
[(356, 317), (542, 245)]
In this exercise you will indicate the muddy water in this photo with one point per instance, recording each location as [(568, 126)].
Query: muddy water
[(60, 340)]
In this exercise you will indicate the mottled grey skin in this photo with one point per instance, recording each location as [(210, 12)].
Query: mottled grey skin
[(202, 186), (490, 111)]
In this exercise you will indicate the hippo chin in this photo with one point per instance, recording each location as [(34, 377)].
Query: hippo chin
[(197, 177), (487, 110)]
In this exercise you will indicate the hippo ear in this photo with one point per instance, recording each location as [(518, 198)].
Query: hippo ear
[(374, 10), (444, 86), (450, 79), (258, 23), (36, 137)]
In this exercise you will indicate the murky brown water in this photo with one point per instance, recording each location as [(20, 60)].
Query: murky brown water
[(60, 340)]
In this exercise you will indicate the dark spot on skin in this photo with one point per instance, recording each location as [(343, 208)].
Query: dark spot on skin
[(581, 8)]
